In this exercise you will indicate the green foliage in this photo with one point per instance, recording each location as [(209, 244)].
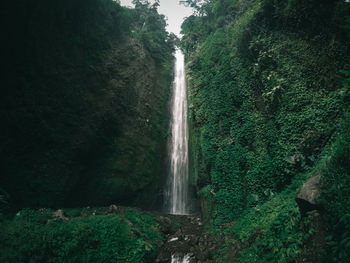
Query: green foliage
[(339, 241), (33, 216), (227, 179), (336, 196), (266, 103), (270, 232), (150, 31), (103, 238), (206, 194), (276, 231), (264, 100), (336, 176), (144, 225)]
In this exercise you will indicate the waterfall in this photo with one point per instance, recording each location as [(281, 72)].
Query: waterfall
[(177, 186), (185, 259)]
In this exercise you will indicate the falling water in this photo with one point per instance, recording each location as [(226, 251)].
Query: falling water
[(185, 259), (177, 192)]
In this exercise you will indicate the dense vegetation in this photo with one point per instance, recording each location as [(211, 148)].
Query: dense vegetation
[(85, 122), (84, 103), (90, 235), (267, 111)]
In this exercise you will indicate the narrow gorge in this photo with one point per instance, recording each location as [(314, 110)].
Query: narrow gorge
[(158, 131)]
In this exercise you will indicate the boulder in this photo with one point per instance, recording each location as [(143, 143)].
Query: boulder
[(113, 209), (307, 196), (59, 214), (166, 226)]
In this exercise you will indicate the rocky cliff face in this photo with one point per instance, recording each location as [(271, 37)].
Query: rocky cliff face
[(136, 99), (84, 103), (264, 95), (266, 107)]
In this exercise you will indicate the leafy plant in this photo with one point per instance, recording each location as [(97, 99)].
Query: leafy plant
[(101, 238)]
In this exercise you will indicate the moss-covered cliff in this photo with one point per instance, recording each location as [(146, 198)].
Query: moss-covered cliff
[(84, 121), (84, 103), (266, 107)]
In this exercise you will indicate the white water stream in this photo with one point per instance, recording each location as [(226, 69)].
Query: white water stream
[(185, 259), (177, 193)]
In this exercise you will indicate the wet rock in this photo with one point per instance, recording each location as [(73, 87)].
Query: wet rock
[(193, 240), (166, 226), (113, 209), (59, 214), (204, 255), (308, 194), (190, 239), (163, 257)]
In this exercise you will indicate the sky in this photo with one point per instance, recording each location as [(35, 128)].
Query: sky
[(174, 12)]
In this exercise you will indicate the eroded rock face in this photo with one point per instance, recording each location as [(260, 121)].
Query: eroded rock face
[(166, 226), (308, 194), (190, 241)]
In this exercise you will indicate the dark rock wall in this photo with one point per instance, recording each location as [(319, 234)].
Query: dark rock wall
[(84, 103)]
